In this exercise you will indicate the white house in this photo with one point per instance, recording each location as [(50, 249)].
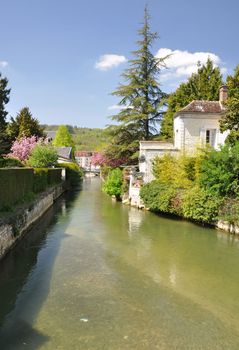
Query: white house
[(84, 159), (194, 126)]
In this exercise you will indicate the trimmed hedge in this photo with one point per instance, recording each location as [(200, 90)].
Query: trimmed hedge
[(74, 173), (54, 176), (44, 177), (40, 179), (10, 163), (19, 184), (15, 184)]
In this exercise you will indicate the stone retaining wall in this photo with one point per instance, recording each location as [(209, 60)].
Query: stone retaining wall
[(13, 227)]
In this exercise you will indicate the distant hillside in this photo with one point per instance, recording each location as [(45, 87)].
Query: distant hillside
[(86, 139)]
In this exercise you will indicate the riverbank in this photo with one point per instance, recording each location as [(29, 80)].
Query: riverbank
[(15, 224), (134, 200)]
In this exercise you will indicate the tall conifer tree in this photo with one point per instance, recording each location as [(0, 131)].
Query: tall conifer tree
[(141, 98), (24, 125)]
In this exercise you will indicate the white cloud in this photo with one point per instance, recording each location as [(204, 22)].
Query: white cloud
[(181, 64), (118, 107), (114, 107), (3, 64), (108, 61)]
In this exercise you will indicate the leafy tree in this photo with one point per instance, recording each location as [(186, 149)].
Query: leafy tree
[(203, 85), (113, 183), (4, 99), (24, 125), (141, 98), (230, 120), (63, 137), (43, 156)]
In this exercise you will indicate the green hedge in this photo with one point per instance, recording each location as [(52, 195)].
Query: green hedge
[(10, 163), (161, 198), (196, 204), (15, 184), (54, 176), (74, 173), (40, 179), (20, 184)]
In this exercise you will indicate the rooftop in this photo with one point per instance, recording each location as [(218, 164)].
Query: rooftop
[(200, 106), (64, 152)]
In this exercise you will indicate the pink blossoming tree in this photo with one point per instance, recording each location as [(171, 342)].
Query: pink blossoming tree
[(101, 159), (21, 149)]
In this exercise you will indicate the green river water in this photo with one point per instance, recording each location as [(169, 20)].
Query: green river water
[(98, 275)]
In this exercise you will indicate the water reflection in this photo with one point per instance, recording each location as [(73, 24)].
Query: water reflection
[(25, 278)]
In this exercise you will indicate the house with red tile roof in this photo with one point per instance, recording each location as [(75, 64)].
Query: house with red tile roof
[(195, 126)]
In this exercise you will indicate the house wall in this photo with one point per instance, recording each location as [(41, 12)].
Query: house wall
[(190, 131), (148, 152)]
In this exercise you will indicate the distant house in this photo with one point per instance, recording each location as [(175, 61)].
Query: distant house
[(84, 159), (65, 154)]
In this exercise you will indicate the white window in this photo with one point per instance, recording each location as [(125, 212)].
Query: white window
[(210, 137)]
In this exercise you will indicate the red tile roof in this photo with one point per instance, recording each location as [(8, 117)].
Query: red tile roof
[(199, 106)]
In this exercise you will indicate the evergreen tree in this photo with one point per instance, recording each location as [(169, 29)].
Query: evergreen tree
[(63, 137), (203, 85), (230, 121), (4, 99), (141, 99), (24, 125)]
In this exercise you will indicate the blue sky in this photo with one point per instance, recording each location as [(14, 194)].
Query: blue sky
[(63, 58)]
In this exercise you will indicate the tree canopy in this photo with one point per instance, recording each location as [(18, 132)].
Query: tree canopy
[(230, 120), (24, 125), (203, 85), (141, 98), (63, 137)]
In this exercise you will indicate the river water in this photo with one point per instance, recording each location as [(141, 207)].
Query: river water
[(99, 275)]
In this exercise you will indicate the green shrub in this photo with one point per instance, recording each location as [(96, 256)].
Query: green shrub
[(219, 171), (200, 205), (43, 156), (74, 173), (161, 198), (229, 210), (10, 163), (176, 171), (113, 183)]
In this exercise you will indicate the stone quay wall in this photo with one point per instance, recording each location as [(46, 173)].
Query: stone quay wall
[(13, 226)]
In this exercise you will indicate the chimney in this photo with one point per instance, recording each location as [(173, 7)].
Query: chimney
[(223, 91)]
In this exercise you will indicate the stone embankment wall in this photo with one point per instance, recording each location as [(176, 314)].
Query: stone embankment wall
[(13, 227), (228, 227)]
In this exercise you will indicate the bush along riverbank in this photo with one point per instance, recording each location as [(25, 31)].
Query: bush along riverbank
[(203, 188)]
